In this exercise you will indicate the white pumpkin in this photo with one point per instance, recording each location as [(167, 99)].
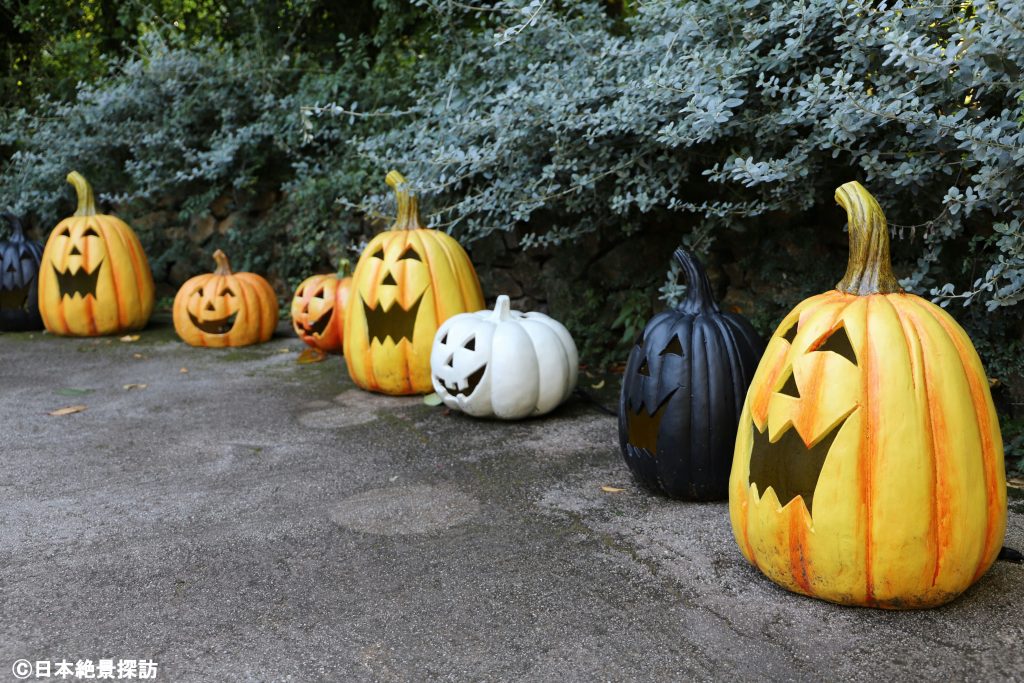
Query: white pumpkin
[(503, 363)]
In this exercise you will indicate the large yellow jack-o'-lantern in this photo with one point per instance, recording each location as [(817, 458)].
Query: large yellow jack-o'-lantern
[(868, 467), (94, 278), (408, 281)]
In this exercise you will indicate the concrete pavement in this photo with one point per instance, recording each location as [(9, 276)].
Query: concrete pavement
[(258, 519)]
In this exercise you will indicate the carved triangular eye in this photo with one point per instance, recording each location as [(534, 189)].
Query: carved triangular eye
[(409, 253), (790, 388), (838, 341), (791, 332), (470, 344), (378, 254), (226, 292), (674, 347), (319, 292), (64, 233), (644, 370), (89, 232)]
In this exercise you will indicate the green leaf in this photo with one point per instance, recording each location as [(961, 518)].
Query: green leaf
[(432, 399)]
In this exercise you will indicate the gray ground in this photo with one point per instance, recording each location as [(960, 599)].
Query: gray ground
[(258, 519)]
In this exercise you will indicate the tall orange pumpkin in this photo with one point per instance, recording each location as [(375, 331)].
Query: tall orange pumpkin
[(94, 278), (224, 308), (868, 467), (408, 281)]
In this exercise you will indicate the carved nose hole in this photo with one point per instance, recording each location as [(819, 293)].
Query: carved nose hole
[(451, 360), (210, 306), (388, 280), (11, 269), (75, 252)]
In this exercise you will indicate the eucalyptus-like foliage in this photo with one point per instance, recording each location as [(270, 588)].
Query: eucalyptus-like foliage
[(569, 122)]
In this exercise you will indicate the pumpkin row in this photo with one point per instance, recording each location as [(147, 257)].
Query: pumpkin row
[(859, 449)]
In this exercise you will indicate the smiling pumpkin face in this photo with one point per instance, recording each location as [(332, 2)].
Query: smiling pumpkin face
[(225, 308), (868, 467), (408, 281), (318, 310), (94, 278)]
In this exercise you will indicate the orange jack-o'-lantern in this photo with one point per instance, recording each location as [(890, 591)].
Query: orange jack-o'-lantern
[(868, 467), (94, 278), (408, 281), (224, 308), (319, 307)]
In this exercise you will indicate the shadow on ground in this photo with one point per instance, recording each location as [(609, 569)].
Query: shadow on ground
[(245, 517)]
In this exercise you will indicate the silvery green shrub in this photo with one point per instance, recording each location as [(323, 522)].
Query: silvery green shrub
[(561, 121)]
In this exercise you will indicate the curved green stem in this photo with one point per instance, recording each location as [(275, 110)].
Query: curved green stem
[(408, 206), (86, 201), (869, 269)]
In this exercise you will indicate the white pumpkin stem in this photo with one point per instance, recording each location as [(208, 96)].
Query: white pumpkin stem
[(223, 265), (408, 205), (86, 200), (502, 309)]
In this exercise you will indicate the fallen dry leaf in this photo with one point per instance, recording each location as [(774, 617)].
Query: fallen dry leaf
[(183, 371), (130, 338), (284, 350), (994, 382), (135, 386), (311, 356), (1015, 482), (612, 489), (599, 385), (137, 356), (67, 411)]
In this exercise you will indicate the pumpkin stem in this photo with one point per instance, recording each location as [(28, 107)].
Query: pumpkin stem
[(86, 200), (501, 309), (223, 265), (408, 205), (699, 298), (869, 270), (344, 268), (17, 230)]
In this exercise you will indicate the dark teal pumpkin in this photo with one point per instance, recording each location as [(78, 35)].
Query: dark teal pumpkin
[(683, 390), (19, 280)]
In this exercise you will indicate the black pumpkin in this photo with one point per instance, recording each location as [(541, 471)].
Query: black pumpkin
[(683, 391), (19, 281)]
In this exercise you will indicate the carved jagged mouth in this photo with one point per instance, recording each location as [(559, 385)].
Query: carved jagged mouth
[(396, 322), (80, 283), (14, 299), (643, 426), (788, 466), (320, 324), (471, 383), (219, 326)]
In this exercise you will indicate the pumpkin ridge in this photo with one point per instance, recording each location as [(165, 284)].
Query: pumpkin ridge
[(122, 315), (936, 526), (797, 542), (869, 452), (991, 447)]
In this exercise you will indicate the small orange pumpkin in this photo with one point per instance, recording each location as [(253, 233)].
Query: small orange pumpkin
[(224, 308), (319, 307)]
